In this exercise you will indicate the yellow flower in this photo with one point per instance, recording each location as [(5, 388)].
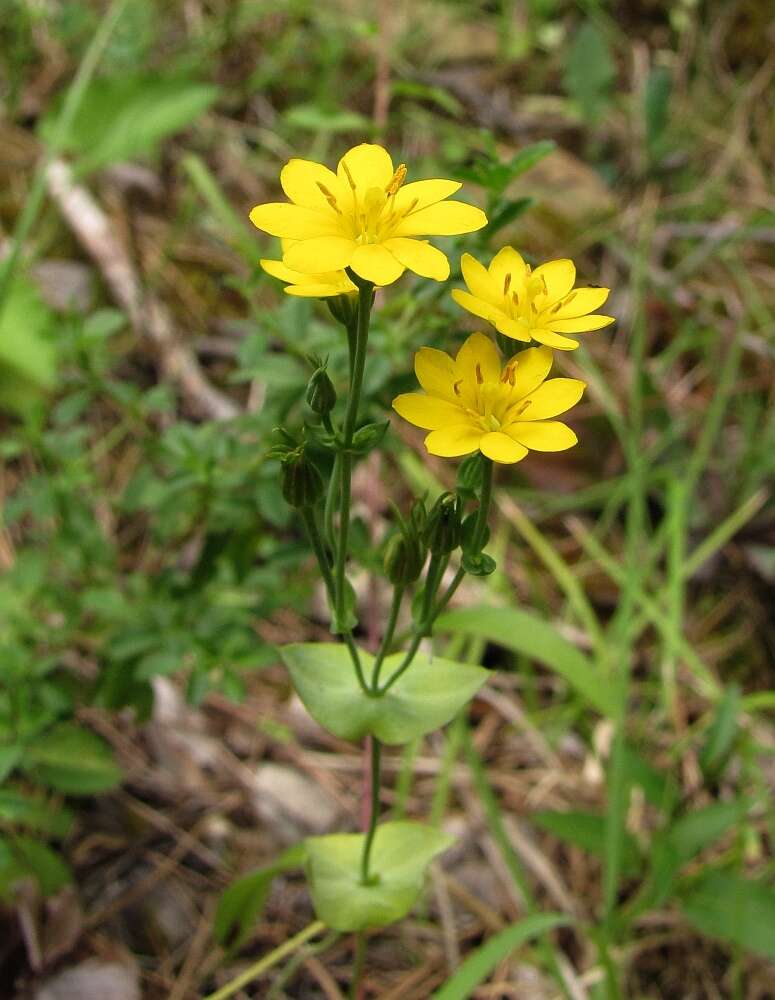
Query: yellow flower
[(313, 286), (523, 303), (365, 217), (471, 403)]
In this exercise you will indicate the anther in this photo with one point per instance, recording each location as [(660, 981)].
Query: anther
[(543, 282), (515, 298), (456, 386), (397, 179), (349, 175), (507, 283), (479, 376), (524, 406), (330, 198), (533, 308)]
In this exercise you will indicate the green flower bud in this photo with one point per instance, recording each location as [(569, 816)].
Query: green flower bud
[(302, 484), (443, 528), (321, 395), (344, 308), (404, 558), (368, 437), (469, 476)]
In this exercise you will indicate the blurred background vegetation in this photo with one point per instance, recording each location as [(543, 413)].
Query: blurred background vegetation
[(149, 747)]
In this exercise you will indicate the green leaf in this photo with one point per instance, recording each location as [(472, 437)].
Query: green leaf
[(587, 831), (22, 857), (427, 696), (243, 901), (313, 118), (27, 347), (124, 118), (34, 814), (73, 760), (399, 856), (9, 758), (526, 633), (480, 963), (589, 72), (735, 909), (721, 734)]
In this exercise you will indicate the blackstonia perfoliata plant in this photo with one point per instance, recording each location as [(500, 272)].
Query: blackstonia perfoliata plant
[(344, 233)]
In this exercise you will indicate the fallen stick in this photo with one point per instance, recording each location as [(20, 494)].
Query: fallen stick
[(148, 316)]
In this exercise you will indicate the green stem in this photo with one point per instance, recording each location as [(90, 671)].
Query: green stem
[(376, 762), (365, 289), (358, 961), (313, 533), (387, 638), (436, 569), (329, 509), (485, 499)]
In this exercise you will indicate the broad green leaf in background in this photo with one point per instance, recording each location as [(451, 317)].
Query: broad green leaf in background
[(480, 963), (427, 696), (399, 857), (73, 760), (587, 831), (656, 106), (127, 117), (21, 810), (526, 633), (243, 901), (27, 347), (22, 857), (312, 118), (735, 909), (589, 72)]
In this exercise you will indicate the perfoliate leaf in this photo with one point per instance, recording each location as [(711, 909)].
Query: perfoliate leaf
[(430, 693), (399, 857)]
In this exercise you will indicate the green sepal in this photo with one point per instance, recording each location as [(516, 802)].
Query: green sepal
[(368, 437), (400, 855), (428, 695)]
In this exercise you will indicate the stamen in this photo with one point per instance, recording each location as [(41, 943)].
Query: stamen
[(349, 175), (515, 298), (543, 282), (507, 283), (524, 406), (456, 386), (397, 179), (533, 308), (411, 207), (569, 298), (330, 198), (479, 376)]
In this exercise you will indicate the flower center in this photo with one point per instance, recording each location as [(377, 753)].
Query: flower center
[(374, 215)]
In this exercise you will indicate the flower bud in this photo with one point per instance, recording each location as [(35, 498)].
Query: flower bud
[(368, 437), (302, 484), (344, 308), (404, 558), (443, 528), (321, 395), (469, 476)]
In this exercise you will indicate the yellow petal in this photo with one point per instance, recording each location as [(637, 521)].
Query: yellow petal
[(517, 329), (559, 276), (477, 360), (552, 397), (447, 218), (435, 372), (507, 261), (302, 179), (318, 290), (279, 270), (368, 165), (427, 411), (419, 256), (582, 324), (420, 194), (480, 308), (531, 368), (374, 263), (501, 448), (455, 440), (549, 435), (294, 222), (579, 302), (327, 253), (479, 282), (555, 340)]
